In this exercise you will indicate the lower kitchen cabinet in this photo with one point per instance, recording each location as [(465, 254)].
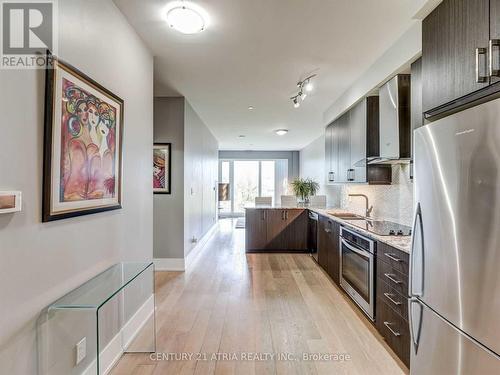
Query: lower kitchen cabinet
[(328, 247), (391, 316), (256, 229), (276, 229)]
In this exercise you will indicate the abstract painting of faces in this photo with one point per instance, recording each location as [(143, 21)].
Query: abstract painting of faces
[(83, 145), (161, 168)]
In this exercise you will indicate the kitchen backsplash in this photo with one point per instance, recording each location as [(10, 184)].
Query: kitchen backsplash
[(390, 202)]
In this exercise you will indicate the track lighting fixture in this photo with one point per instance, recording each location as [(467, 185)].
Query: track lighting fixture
[(304, 86)]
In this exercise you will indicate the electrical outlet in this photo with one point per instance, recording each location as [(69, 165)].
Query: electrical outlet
[(81, 350)]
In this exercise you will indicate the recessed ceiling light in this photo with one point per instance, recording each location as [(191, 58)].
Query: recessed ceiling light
[(241, 136), (186, 17), (251, 107), (281, 131)]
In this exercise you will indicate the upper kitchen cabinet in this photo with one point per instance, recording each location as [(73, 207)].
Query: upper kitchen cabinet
[(494, 43), (350, 141), (455, 53)]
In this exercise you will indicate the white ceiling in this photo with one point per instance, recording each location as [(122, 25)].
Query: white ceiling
[(254, 52)]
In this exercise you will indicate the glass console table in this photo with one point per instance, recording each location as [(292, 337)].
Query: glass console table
[(86, 331)]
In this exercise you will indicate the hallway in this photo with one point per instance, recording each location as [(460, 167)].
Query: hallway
[(232, 313)]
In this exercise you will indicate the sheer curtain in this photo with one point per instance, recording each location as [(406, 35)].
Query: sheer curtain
[(281, 177)]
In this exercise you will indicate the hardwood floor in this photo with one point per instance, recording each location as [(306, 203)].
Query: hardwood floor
[(233, 304)]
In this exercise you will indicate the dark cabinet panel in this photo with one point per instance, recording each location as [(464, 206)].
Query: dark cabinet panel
[(417, 119), (451, 36), (395, 331), (397, 259), (256, 229), (393, 277), (323, 241), (295, 234), (333, 252), (328, 247), (495, 37), (276, 225), (392, 298), (274, 229), (372, 127)]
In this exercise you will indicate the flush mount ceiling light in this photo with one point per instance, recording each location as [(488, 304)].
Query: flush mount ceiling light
[(281, 131), (251, 108), (186, 17), (303, 86)]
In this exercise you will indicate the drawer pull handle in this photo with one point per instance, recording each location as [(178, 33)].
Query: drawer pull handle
[(392, 257), (388, 325), (390, 277), (389, 297)]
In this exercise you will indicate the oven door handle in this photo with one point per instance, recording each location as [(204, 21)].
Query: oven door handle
[(365, 254)]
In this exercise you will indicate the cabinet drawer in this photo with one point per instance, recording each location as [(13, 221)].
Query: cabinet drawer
[(395, 331), (397, 280), (397, 259), (392, 298)]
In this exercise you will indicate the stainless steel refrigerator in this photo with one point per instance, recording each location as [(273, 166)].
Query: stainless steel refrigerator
[(454, 301)]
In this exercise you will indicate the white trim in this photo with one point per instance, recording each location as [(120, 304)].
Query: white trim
[(110, 355), (169, 264), (181, 264), (197, 250)]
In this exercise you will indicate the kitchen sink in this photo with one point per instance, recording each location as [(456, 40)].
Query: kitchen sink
[(346, 215)]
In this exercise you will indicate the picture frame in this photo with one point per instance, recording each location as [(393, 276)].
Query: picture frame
[(162, 168), (82, 166)]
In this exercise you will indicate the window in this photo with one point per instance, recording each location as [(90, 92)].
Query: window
[(249, 179)]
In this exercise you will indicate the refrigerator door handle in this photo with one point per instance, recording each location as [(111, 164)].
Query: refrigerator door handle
[(417, 256), (415, 310)]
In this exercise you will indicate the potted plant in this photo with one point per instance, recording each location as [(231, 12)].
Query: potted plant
[(304, 188)]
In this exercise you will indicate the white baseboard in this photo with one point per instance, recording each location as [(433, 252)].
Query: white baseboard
[(195, 251), (110, 355), (180, 264), (169, 264)]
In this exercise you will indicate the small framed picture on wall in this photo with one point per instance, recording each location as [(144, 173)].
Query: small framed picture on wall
[(162, 160)]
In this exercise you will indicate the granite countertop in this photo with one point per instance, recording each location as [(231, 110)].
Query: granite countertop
[(402, 243)]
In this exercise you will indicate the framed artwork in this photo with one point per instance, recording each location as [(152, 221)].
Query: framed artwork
[(162, 161), (83, 145)]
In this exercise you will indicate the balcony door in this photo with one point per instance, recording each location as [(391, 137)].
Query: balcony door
[(249, 179)]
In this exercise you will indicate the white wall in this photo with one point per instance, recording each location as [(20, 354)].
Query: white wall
[(312, 165), (40, 262), (191, 210), (392, 202), (200, 178), (169, 208)]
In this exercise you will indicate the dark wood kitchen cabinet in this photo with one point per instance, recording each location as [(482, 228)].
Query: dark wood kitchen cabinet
[(455, 51), (276, 229), (328, 247), (495, 37), (391, 316), (255, 229)]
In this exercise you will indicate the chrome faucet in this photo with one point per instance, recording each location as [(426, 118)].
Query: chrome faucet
[(369, 208)]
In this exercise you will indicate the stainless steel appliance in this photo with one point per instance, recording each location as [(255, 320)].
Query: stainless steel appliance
[(312, 237), (357, 266), (394, 116), (454, 268)]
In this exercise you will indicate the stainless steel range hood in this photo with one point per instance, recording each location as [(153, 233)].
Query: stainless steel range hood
[(395, 127)]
